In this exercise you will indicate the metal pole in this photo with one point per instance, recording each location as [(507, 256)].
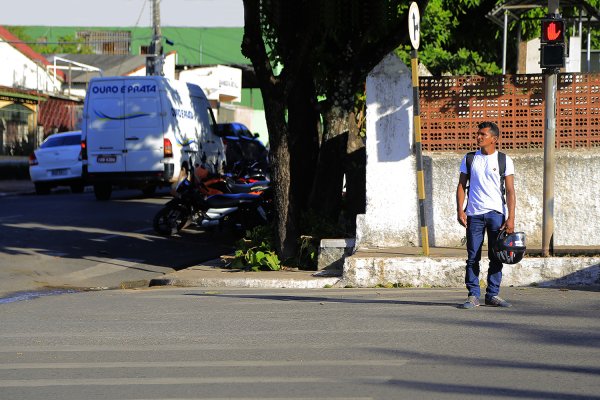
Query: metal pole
[(54, 82), (154, 66), (519, 50), (549, 145), (417, 127), (589, 47), (504, 41), (551, 77)]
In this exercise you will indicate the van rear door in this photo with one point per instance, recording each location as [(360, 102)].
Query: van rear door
[(105, 127), (143, 125)]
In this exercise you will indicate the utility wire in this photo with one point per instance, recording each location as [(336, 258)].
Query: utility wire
[(141, 12)]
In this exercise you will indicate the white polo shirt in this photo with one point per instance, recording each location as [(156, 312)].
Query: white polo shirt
[(484, 184)]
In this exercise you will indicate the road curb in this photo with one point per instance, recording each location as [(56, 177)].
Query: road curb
[(16, 187), (211, 276), (248, 283)]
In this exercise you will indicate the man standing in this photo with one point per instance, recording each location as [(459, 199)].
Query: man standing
[(487, 210)]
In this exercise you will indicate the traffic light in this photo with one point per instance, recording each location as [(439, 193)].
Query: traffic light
[(553, 43)]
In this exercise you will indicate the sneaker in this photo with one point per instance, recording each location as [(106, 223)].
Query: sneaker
[(472, 302), (497, 302)]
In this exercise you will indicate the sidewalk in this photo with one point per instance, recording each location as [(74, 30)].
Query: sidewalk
[(16, 186), (212, 274), (402, 267)]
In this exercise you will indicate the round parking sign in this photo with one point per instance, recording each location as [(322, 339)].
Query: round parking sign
[(414, 25)]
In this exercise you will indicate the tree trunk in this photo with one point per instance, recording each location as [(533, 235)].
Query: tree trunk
[(303, 121), (326, 196), (286, 219), (272, 89), (355, 165)]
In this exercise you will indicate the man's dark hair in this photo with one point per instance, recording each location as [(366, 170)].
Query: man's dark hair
[(493, 127)]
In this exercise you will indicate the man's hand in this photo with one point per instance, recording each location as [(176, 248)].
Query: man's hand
[(462, 218), (461, 191), (509, 226)]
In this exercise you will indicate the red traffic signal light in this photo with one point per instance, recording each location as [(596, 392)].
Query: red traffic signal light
[(553, 31), (552, 55)]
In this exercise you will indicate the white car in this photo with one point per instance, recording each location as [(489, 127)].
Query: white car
[(58, 162)]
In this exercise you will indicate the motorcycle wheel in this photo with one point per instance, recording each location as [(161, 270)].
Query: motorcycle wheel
[(170, 220)]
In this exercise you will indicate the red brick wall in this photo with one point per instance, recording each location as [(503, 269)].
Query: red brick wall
[(452, 107)]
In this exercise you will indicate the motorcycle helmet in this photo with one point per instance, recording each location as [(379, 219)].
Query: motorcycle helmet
[(509, 248)]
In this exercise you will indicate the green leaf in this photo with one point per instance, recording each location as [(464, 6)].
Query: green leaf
[(237, 263)]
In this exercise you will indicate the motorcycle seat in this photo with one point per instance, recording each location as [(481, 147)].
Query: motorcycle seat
[(231, 199), (248, 187)]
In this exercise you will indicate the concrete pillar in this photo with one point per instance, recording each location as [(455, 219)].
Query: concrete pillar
[(391, 217)]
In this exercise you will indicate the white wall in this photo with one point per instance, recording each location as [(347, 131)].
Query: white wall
[(532, 65), (576, 196), (392, 206), (220, 83), (573, 62), (19, 71)]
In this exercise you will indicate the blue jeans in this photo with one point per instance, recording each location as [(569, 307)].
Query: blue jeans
[(477, 225)]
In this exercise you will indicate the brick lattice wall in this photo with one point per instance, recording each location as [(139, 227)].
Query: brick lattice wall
[(452, 107)]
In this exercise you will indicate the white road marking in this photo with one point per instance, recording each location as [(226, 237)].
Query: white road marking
[(21, 383), (207, 364)]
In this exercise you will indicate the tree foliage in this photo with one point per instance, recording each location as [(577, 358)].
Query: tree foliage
[(457, 38)]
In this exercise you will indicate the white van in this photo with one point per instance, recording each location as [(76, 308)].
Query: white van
[(139, 131)]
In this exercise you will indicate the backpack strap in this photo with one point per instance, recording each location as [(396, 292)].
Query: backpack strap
[(502, 168), (470, 156)]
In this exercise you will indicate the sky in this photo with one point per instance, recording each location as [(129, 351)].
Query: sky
[(126, 13)]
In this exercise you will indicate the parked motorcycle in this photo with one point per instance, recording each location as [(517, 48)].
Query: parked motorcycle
[(240, 211), (247, 172), (210, 184)]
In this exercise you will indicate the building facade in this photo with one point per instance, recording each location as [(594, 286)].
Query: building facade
[(32, 102)]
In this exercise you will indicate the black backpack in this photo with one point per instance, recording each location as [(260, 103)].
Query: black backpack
[(501, 167)]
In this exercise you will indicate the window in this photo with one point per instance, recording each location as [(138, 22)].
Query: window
[(107, 42), (54, 141)]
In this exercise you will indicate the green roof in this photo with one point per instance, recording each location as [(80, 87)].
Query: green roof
[(194, 46)]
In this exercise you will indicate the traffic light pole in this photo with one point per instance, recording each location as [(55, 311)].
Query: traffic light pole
[(550, 78), (549, 145)]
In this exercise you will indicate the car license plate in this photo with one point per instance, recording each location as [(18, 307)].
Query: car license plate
[(59, 172), (107, 159)]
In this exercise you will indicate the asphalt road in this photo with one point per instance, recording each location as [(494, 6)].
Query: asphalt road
[(300, 344), (69, 240)]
